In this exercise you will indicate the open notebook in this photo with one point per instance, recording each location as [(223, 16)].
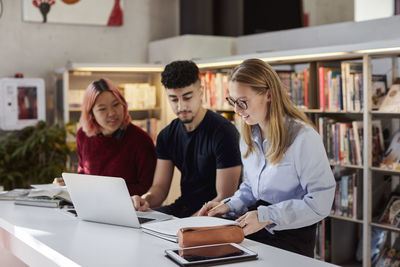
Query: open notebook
[(169, 229)]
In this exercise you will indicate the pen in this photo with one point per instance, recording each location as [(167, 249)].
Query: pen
[(220, 204)]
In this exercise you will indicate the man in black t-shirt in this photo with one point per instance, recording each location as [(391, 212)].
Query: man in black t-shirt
[(202, 144)]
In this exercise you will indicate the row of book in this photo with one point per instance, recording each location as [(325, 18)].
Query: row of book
[(137, 96), (296, 85), (322, 249), (344, 141), (348, 196), (215, 90), (341, 87)]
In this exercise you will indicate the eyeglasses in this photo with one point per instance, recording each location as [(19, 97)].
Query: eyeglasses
[(242, 104)]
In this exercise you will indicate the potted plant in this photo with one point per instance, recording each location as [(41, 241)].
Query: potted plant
[(33, 155)]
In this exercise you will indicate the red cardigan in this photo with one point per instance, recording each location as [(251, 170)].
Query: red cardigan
[(132, 157)]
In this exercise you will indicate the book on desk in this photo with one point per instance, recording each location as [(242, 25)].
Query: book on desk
[(47, 195)]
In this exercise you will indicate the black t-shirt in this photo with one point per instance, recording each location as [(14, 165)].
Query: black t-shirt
[(213, 145)]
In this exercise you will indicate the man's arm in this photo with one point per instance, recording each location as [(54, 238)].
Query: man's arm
[(161, 183), (226, 182)]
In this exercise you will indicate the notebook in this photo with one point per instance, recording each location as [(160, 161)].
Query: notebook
[(106, 200)]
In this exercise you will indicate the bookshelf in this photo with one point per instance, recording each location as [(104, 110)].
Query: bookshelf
[(343, 232)]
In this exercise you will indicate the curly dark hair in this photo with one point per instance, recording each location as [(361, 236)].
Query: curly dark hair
[(179, 74)]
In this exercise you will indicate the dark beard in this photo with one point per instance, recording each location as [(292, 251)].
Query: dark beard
[(187, 121)]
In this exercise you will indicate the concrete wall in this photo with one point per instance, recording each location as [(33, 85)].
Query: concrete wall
[(36, 49), (322, 12), (192, 47)]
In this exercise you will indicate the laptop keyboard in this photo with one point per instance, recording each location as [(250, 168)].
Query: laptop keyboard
[(144, 220)]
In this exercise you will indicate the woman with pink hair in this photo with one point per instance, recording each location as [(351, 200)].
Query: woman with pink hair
[(108, 144)]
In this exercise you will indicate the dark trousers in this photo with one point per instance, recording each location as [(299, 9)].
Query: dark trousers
[(301, 240)]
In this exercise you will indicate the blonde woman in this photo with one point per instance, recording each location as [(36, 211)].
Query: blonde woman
[(288, 184)]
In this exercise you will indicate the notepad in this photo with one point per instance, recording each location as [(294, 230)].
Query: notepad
[(169, 229)]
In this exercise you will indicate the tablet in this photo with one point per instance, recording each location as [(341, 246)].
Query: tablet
[(219, 253)]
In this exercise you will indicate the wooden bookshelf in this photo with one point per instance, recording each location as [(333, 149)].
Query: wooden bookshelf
[(147, 112), (76, 77)]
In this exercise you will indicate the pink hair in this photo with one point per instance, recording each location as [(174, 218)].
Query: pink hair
[(87, 120)]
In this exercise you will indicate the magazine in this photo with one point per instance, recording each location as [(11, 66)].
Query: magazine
[(391, 214), (391, 158), (391, 102), (379, 90)]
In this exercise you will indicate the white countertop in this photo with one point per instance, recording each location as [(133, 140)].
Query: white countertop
[(49, 237)]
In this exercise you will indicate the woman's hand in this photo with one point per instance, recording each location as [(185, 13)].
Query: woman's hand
[(250, 224), (210, 209), (59, 181)]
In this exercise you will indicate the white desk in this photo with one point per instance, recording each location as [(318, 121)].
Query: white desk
[(48, 237)]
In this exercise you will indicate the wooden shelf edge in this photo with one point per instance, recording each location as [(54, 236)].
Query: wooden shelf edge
[(330, 112), (347, 166), (130, 110), (344, 218), (377, 169), (384, 226)]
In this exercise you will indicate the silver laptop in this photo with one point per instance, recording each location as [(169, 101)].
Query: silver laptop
[(106, 200)]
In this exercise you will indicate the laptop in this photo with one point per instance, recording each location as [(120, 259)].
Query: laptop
[(106, 199)]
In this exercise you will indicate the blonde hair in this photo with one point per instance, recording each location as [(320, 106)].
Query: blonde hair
[(262, 77)]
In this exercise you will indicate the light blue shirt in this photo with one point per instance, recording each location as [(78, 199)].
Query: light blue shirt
[(300, 188)]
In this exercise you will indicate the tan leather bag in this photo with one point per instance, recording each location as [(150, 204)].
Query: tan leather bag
[(198, 236)]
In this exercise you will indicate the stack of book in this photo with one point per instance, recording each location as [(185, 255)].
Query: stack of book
[(50, 196)]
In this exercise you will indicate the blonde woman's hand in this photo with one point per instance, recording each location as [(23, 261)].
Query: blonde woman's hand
[(250, 224)]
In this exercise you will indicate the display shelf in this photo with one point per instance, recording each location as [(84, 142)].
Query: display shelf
[(347, 166), (383, 170), (337, 217), (381, 114), (386, 227)]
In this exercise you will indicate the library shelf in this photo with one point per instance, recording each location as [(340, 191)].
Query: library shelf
[(376, 113), (351, 166), (222, 109), (385, 226), (319, 111), (345, 218), (383, 170)]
